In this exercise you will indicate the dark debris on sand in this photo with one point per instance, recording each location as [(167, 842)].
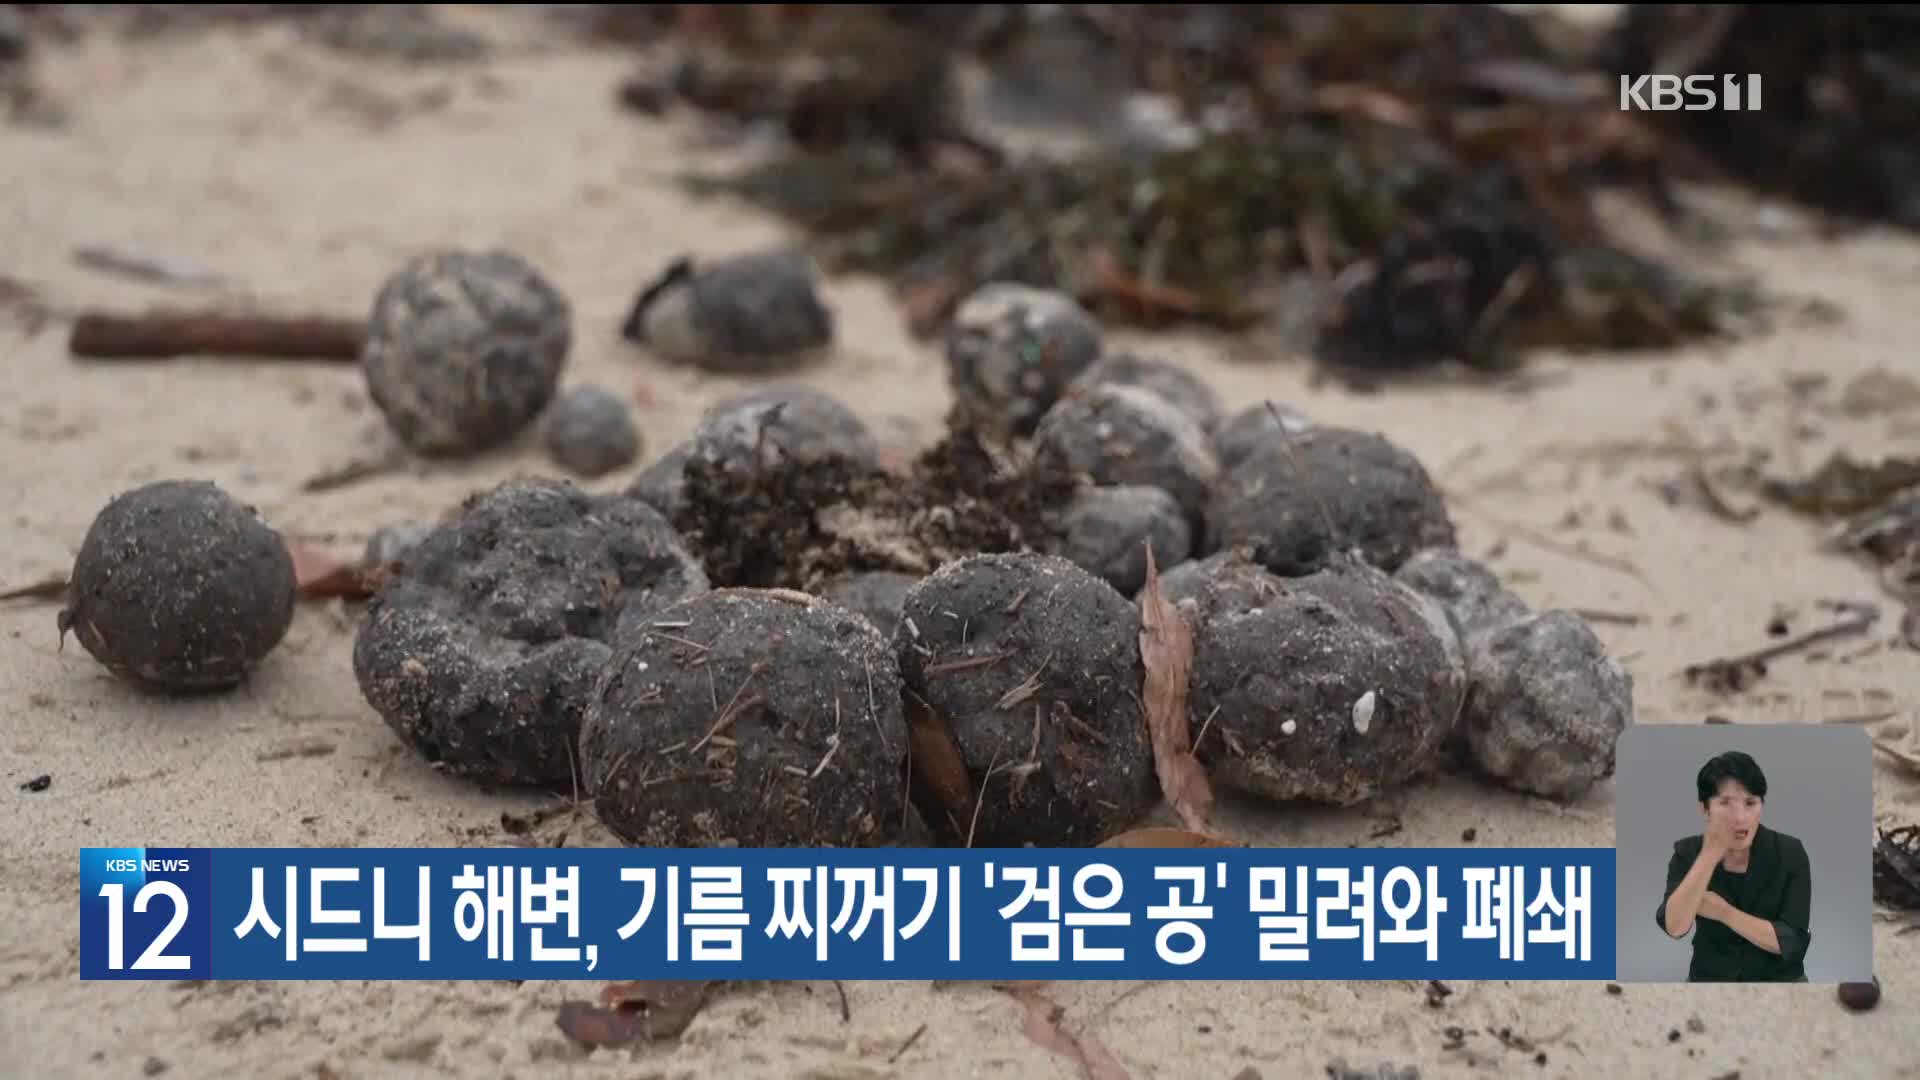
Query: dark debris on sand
[(1427, 177), (796, 524)]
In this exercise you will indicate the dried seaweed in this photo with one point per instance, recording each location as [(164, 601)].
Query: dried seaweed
[(1896, 867), (1420, 178), (1841, 96)]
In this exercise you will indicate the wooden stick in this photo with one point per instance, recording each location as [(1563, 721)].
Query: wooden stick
[(101, 336)]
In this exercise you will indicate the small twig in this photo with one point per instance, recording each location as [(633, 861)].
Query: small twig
[(52, 587), (846, 1010), (873, 711), (1861, 618), (1864, 718), (908, 1045), (980, 799), (948, 667), (1027, 688), (1622, 618), (727, 714), (159, 336), (356, 469)]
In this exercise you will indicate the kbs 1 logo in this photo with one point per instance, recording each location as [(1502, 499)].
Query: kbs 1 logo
[(1691, 93)]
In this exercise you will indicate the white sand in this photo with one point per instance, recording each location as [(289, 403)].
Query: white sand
[(248, 152)]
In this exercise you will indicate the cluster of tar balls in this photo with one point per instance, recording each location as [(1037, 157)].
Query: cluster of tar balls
[(544, 635)]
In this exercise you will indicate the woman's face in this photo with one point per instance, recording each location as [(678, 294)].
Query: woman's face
[(1739, 807)]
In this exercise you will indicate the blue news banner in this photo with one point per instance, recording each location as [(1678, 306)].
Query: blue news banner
[(982, 914)]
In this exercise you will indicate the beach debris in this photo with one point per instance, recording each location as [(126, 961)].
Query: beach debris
[(1545, 704), (750, 432), (320, 576), (1247, 431), (1732, 674), (1280, 663), (1044, 1027), (1896, 867), (650, 1009), (1180, 387), (1472, 595), (1166, 652), (162, 335), (1426, 183), (1035, 666), (482, 648), (1840, 83), (1299, 501), (51, 587), (762, 718), (1112, 531), (794, 523), (590, 431), (936, 761), (464, 349), (178, 587), (38, 784), (1118, 434), (758, 312), (879, 595), (1859, 996), (1844, 484), (391, 544), (1012, 350)]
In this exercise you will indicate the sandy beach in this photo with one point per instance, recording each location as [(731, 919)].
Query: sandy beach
[(306, 176)]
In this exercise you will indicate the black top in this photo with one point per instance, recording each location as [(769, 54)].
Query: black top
[(1777, 886)]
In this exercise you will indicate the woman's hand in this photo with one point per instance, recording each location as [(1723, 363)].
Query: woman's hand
[(1719, 836), (1714, 906)]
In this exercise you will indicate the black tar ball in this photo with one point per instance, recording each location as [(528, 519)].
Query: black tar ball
[(1296, 501), (1013, 349), (880, 595), (1117, 434), (465, 349), (590, 431), (1253, 428), (749, 718), (754, 312), (1547, 704), (1107, 530), (784, 421), (1035, 665), (178, 587), (1332, 687), (482, 650), (1182, 388)]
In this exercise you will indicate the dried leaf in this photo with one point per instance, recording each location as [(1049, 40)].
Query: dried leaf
[(1160, 837), (1043, 1027), (1166, 650), (666, 1005), (937, 760), (320, 576), (594, 1026), (52, 587), (629, 1011)]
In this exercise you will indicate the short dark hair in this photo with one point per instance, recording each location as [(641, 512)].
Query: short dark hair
[(1732, 765)]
